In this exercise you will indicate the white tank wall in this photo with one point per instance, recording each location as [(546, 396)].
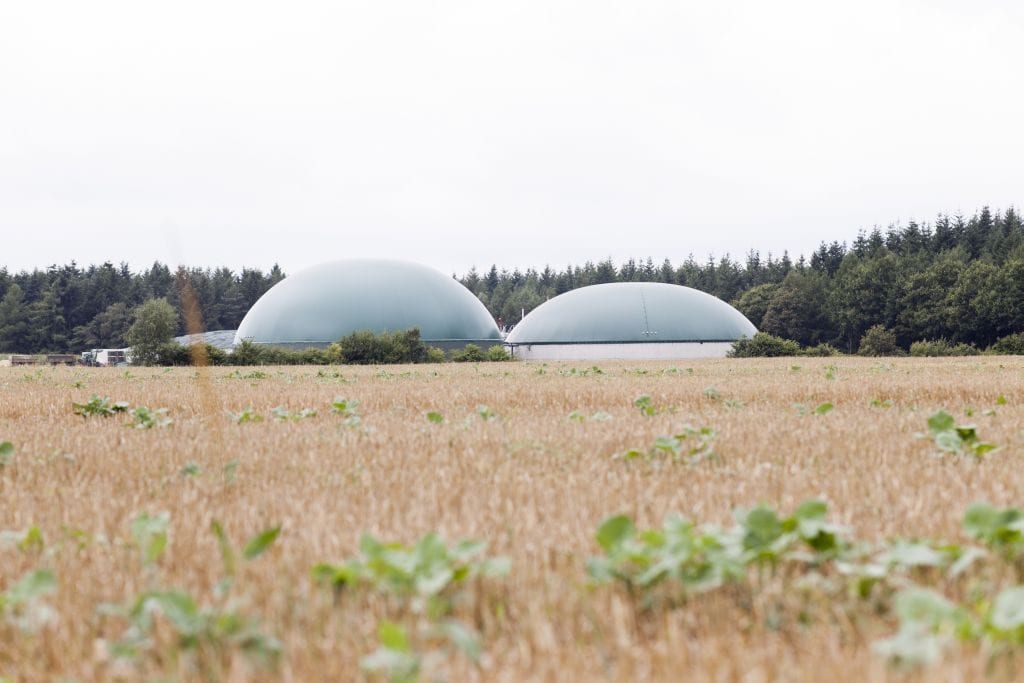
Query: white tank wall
[(665, 351)]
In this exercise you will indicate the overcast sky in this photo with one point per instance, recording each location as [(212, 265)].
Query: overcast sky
[(518, 132)]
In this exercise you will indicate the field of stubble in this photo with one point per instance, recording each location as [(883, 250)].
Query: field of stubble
[(532, 483)]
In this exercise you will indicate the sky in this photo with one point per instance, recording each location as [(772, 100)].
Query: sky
[(522, 133)]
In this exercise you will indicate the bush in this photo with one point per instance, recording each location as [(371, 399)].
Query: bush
[(879, 341), (764, 345), (1010, 345), (470, 353), (171, 353), (821, 350), (498, 354), (367, 348), (153, 329), (941, 347), (435, 355), (247, 353)]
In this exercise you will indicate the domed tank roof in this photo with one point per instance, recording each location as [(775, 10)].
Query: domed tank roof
[(322, 304), (628, 312)]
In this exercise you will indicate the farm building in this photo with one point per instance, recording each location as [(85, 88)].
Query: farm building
[(641, 320), (319, 305)]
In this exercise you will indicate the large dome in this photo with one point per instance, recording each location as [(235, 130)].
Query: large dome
[(322, 304), (632, 312)]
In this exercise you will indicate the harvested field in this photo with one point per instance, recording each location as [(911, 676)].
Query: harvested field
[(531, 482)]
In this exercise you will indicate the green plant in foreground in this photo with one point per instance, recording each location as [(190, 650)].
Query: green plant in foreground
[(99, 407), (22, 605), (6, 453), (950, 437), (282, 414), (697, 560), (691, 445), (485, 413), (599, 416), (1001, 530), (426, 578), (426, 573), (145, 418), (930, 623), (397, 659), (348, 409), (435, 417), (646, 406), (203, 636), (245, 416)]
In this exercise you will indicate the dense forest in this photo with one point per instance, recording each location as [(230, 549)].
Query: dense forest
[(67, 308), (959, 279)]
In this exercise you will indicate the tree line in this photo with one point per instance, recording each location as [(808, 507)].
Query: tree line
[(69, 308), (957, 278)]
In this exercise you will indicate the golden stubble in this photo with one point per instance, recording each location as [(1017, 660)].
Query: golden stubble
[(532, 483)]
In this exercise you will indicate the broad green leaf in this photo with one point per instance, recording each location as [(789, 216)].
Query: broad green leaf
[(435, 417), (600, 569), (913, 646), (763, 527), (393, 637), (496, 566), (949, 441), (260, 542), (400, 667), (1008, 611), (150, 534), (923, 605), (980, 520), (613, 531), (467, 549), (179, 608), (941, 422), (913, 555), (823, 408), (435, 581), (32, 585), (463, 638), (32, 541), (812, 509)]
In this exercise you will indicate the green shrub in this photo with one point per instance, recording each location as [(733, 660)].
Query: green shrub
[(821, 350), (498, 354), (435, 355), (879, 341), (367, 348), (1010, 345), (247, 353), (764, 345), (941, 347), (171, 353), (470, 353)]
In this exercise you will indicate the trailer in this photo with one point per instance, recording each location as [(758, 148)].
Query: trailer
[(106, 357)]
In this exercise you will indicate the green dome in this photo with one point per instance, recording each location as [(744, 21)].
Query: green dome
[(322, 304), (629, 312)]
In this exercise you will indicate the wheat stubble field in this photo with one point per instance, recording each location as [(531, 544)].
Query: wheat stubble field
[(531, 482)]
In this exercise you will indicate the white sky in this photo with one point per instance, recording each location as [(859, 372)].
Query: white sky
[(516, 132)]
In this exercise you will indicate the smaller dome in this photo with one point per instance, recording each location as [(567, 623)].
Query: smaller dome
[(632, 312)]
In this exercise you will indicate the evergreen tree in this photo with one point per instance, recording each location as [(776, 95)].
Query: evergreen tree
[(14, 322)]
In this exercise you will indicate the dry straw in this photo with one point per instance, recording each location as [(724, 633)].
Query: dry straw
[(531, 483)]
